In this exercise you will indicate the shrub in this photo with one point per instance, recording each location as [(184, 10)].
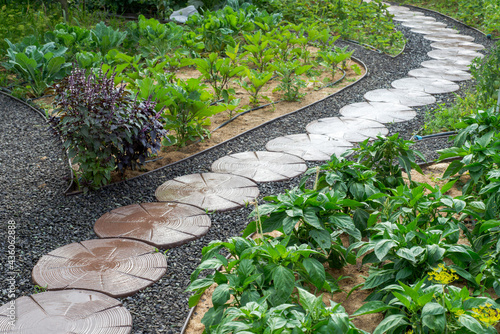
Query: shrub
[(103, 127)]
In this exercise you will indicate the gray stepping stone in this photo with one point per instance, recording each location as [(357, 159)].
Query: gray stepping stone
[(427, 85), (454, 54), (446, 74), (69, 311), (379, 111), (116, 267), (310, 147), (433, 30), (210, 191), (261, 166), (397, 9), (405, 97), (164, 224), (347, 128), (423, 25), (447, 64), (457, 44), (414, 18), (440, 37)]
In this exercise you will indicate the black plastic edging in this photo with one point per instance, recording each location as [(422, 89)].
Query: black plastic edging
[(241, 134)]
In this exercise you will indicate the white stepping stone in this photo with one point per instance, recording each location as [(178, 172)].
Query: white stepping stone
[(397, 9), (440, 37), (382, 112), (427, 85), (459, 54), (423, 24), (310, 147), (210, 191), (405, 97), (457, 44), (261, 166), (414, 18), (347, 128), (447, 64), (441, 73), (433, 30)]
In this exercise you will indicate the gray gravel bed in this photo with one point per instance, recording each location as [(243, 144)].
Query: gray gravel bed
[(33, 175)]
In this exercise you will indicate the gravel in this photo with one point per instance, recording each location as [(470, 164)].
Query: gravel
[(34, 175)]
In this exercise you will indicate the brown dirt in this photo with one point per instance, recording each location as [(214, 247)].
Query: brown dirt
[(352, 274)]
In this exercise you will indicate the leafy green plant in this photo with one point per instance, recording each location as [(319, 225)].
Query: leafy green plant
[(253, 84), (331, 59), (187, 111), (310, 217), (103, 127), (254, 270), (290, 72), (486, 72), (40, 65), (105, 38), (72, 37), (310, 316), (434, 308), (260, 51)]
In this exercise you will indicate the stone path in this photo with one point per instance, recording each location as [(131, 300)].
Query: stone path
[(120, 266)]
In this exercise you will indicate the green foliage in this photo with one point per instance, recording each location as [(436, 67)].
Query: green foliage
[(381, 155), (331, 59), (105, 38), (430, 308), (74, 38), (291, 82), (187, 111), (486, 72), (40, 65), (253, 83)]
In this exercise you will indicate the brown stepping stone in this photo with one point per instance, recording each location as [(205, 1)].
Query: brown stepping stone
[(457, 44), (164, 225), (401, 96), (210, 191), (447, 64), (379, 111), (261, 166), (69, 311), (117, 267), (433, 30), (347, 128), (446, 74), (440, 37), (310, 147), (427, 85), (454, 54), (423, 24)]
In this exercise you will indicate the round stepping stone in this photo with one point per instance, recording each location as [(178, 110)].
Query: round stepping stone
[(457, 44), (427, 85), (261, 166), (117, 267), (446, 74), (447, 64), (379, 111), (397, 9), (454, 54), (310, 147), (164, 225), (434, 30), (401, 96), (423, 24), (72, 311), (414, 18), (210, 191), (347, 128), (440, 37)]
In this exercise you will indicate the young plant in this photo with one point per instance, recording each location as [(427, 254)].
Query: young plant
[(331, 59), (187, 112), (40, 65), (72, 37), (253, 84), (260, 51), (105, 38), (290, 72)]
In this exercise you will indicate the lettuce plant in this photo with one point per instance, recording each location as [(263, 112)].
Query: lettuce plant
[(103, 127)]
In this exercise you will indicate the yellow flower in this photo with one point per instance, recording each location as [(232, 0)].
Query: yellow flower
[(442, 275), (486, 314), (459, 313), (410, 331)]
